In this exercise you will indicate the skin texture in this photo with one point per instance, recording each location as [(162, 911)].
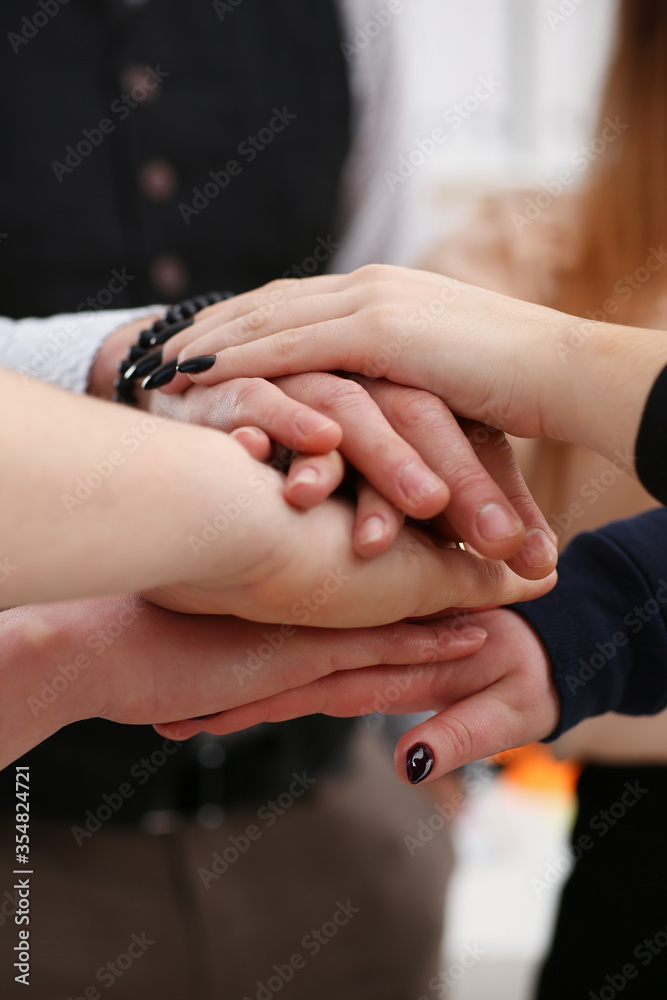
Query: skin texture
[(529, 370), (499, 697), (411, 455), (123, 659)]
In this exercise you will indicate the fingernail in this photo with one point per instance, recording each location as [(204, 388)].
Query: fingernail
[(306, 475), (495, 522), (538, 550), (250, 432), (145, 365), (160, 376), (372, 530), (418, 483), (470, 633), (162, 336), (419, 763), (307, 422), (193, 366)]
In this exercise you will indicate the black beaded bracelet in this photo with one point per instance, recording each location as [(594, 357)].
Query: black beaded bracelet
[(146, 355)]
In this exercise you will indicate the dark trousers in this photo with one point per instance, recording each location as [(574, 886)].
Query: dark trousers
[(325, 902), (611, 935)]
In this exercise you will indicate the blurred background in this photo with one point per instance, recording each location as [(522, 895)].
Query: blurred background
[(547, 61)]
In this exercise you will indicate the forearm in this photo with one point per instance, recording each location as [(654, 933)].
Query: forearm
[(35, 653), (115, 347), (98, 498), (597, 378)]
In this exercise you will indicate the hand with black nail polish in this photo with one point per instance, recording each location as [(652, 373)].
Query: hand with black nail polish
[(491, 689)]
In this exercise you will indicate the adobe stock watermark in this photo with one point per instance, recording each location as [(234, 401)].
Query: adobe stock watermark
[(441, 985), (591, 491), (644, 953), (312, 944), (267, 815), (67, 673), (323, 250), (228, 513), (223, 7), (580, 160), (634, 621), (418, 322), (120, 108), (475, 777), (581, 331), (116, 968), (7, 568), (61, 338), (111, 802), (130, 441), (600, 825), (247, 150), (31, 25), (364, 34), (454, 117), (562, 12)]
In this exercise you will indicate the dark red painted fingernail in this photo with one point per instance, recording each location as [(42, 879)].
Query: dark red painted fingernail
[(419, 763)]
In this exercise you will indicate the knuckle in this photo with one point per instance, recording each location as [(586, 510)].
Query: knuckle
[(466, 477), (339, 394), (461, 740), (371, 273), (286, 342), (416, 408)]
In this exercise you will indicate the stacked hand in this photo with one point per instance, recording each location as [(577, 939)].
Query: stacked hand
[(463, 477)]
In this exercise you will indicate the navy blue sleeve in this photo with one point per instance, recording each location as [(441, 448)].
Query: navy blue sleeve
[(604, 625)]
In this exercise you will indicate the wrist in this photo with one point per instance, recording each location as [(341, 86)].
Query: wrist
[(41, 670), (604, 374), (104, 370)]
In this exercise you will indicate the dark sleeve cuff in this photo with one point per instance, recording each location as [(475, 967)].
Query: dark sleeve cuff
[(651, 446), (604, 625)]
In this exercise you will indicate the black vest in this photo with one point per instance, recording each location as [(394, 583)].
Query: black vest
[(193, 147), (152, 151)]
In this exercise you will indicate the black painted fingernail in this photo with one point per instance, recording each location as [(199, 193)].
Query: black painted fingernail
[(419, 763), (161, 375), (162, 336), (144, 366), (192, 366)]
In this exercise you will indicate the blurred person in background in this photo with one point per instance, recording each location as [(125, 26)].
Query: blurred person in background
[(600, 253)]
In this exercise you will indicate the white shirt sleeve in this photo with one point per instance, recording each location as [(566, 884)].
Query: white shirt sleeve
[(61, 349), (378, 217)]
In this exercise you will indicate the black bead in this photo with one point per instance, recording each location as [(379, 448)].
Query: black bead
[(136, 352), (419, 763), (161, 375), (200, 363), (174, 315), (201, 301), (145, 338), (188, 308)]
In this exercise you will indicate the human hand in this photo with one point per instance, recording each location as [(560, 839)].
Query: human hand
[(123, 659), (412, 454), (488, 356), (499, 697), (309, 572)]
